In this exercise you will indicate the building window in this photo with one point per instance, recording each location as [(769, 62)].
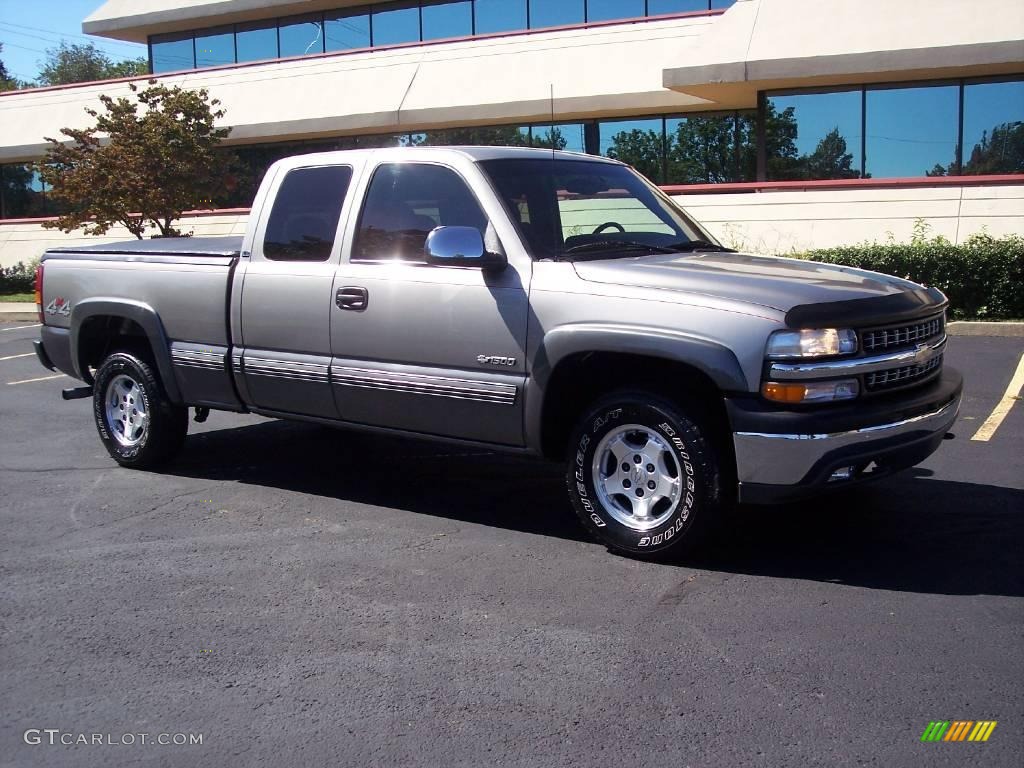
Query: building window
[(494, 16), (814, 136), (570, 137), (993, 140), (910, 131), (659, 7), (347, 32), (301, 35), (396, 25), (639, 143), (172, 53), (256, 41), (216, 48), (608, 10), (556, 13), (445, 19)]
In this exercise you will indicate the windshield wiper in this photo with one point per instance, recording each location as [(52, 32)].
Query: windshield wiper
[(614, 245), (692, 246)]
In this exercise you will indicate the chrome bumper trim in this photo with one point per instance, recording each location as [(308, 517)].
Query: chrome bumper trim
[(785, 459), (919, 355)]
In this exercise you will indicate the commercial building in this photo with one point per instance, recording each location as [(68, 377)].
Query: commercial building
[(781, 124)]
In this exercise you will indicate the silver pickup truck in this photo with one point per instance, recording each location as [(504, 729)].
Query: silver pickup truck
[(529, 301)]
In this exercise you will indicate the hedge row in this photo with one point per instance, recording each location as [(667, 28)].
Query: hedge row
[(983, 277), (21, 278)]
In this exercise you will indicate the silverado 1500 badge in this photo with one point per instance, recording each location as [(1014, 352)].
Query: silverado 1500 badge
[(495, 360)]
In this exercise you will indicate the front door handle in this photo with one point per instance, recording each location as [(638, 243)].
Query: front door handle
[(352, 298)]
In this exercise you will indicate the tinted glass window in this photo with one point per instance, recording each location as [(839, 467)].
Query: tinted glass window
[(814, 136), (721, 3), (554, 13), (637, 143), (215, 48), (657, 7), (701, 149), (499, 15), (21, 191), (404, 203), (994, 128), (567, 136), (301, 35), (911, 131), (255, 42), (498, 136), (305, 214), (172, 53), (603, 10), (396, 25), (343, 33), (447, 19)]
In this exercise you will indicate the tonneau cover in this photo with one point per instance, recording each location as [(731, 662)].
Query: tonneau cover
[(163, 246)]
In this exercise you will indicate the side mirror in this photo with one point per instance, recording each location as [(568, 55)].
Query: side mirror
[(461, 247)]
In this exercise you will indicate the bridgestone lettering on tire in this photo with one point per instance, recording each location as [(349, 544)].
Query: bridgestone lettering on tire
[(137, 424), (641, 476)]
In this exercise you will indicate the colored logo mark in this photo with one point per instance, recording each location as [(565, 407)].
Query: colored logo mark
[(958, 730)]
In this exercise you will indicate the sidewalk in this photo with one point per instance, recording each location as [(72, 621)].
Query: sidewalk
[(20, 312)]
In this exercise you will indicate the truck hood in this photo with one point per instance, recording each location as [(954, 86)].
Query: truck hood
[(787, 285)]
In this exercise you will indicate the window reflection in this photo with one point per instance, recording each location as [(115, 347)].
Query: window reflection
[(910, 131), (447, 19), (216, 48), (555, 13), (638, 143), (301, 36), (344, 33), (814, 136), (567, 136), (605, 10), (702, 149), (658, 7), (172, 53), (396, 26), (499, 16), (256, 41), (993, 128)]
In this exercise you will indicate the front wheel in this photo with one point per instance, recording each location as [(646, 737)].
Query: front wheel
[(641, 475), (138, 425)]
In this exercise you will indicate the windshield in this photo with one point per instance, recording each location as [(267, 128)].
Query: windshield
[(565, 208)]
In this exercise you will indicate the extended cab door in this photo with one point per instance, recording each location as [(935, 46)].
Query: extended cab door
[(432, 349), (286, 299)]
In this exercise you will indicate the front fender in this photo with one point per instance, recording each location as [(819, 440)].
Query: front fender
[(147, 319), (716, 361)]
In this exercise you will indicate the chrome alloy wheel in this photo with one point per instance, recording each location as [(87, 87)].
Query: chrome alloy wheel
[(127, 419), (637, 476)]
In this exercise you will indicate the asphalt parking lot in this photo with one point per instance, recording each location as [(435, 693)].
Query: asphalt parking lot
[(303, 596)]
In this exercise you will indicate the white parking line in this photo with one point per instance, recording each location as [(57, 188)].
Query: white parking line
[(1012, 394), (21, 327), (41, 378), (15, 357)]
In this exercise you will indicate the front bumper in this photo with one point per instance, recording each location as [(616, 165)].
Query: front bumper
[(785, 455)]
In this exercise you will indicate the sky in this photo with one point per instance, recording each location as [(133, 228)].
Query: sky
[(29, 27)]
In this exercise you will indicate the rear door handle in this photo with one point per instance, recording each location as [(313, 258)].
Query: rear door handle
[(352, 298)]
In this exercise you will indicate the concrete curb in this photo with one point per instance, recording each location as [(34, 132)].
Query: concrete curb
[(985, 328), (18, 312)]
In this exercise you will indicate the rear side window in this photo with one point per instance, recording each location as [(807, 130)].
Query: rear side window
[(305, 214), (404, 202)]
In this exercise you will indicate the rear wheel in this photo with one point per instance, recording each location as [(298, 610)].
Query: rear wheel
[(137, 424), (642, 477)]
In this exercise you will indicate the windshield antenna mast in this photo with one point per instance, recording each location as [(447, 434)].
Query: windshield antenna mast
[(551, 133)]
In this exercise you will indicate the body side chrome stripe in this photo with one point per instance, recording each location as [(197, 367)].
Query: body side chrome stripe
[(422, 384)]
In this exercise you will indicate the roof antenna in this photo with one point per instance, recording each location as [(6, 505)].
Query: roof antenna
[(551, 133)]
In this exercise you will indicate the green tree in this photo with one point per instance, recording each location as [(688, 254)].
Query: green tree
[(641, 149), (498, 136), (552, 138), (999, 151), (830, 160), (70, 63), (703, 150), (155, 164)]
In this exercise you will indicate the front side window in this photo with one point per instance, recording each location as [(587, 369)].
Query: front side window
[(305, 214), (404, 202), (565, 207)]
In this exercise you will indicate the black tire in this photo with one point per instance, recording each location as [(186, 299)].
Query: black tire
[(166, 425), (671, 524)]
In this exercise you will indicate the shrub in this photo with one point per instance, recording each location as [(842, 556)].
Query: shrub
[(982, 277), (21, 278)]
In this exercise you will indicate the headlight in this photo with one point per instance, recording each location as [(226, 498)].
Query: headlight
[(811, 391), (821, 342)]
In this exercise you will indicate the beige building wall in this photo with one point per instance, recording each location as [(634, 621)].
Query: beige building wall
[(779, 223)]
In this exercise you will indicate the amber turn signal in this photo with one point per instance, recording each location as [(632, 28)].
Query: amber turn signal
[(784, 393)]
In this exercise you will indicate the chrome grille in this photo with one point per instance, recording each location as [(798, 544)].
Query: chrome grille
[(902, 376), (881, 339)]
